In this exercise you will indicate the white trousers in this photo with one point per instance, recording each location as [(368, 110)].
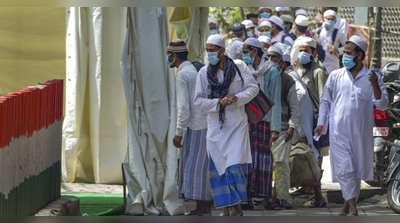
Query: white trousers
[(281, 152)]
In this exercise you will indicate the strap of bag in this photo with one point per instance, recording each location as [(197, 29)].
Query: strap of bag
[(313, 99)]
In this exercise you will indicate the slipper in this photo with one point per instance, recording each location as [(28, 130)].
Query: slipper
[(285, 204), (222, 214), (239, 213), (197, 212), (352, 214), (270, 205), (247, 206), (342, 213), (315, 204), (298, 192)]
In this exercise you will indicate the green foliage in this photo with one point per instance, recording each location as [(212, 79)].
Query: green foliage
[(227, 16)]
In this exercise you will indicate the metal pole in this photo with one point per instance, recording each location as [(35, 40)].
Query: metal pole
[(377, 53)]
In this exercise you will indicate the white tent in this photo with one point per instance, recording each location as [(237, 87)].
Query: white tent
[(106, 114)]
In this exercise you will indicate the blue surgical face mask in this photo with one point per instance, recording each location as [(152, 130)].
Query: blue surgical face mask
[(247, 58), (212, 57), (348, 61), (169, 62), (305, 58), (329, 24), (213, 31), (249, 34), (265, 15), (277, 65), (265, 33), (264, 53)]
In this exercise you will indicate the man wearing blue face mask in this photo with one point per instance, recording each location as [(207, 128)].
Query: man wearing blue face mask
[(347, 106), (290, 119), (259, 176), (264, 28), (213, 24), (223, 87), (234, 47), (331, 40), (250, 28), (264, 12), (314, 78), (191, 122)]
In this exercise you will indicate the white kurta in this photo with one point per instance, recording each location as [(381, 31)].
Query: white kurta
[(231, 144), (347, 105), (331, 61), (187, 115)]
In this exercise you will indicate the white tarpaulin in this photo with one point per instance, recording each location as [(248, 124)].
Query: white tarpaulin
[(94, 128), (151, 163)]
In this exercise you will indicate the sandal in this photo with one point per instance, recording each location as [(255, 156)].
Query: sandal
[(298, 192), (194, 213), (247, 206), (315, 204), (342, 213), (239, 213), (270, 205), (285, 204), (223, 214)]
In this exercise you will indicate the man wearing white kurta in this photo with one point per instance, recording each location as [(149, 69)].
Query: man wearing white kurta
[(347, 105), (333, 47), (223, 87)]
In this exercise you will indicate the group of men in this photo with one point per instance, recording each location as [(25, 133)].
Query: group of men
[(227, 161)]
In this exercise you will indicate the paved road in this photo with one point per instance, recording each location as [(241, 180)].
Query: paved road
[(370, 206)]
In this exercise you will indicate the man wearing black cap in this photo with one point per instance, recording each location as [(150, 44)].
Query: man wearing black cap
[(192, 123), (235, 45)]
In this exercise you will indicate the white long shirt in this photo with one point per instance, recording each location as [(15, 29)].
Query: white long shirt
[(231, 144), (347, 106), (188, 116), (278, 38), (331, 61), (234, 48)]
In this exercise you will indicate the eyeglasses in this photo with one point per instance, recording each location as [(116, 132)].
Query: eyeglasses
[(272, 56)]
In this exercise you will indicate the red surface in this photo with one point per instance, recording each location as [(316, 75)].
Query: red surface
[(29, 110)]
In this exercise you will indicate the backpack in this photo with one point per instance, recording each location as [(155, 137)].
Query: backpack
[(304, 168), (320, 50), (291, 35), (197, 65)]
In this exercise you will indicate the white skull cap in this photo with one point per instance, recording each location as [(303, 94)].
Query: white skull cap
[(264, 39), (275, 49), (301, 20), (252, 42), (217, 40), (359, 42)]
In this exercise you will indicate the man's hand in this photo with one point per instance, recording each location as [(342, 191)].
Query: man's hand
[(274, 136), (177, 141), (289, 134), (332, 49), (373, 78), (228, 100), (318, 130)]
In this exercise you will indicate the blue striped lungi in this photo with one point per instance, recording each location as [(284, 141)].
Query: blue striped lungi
[(193, 180), (230, 188)]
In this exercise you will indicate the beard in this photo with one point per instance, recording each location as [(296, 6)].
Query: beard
[(307, 65)]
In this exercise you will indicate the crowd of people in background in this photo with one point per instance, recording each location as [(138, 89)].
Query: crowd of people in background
[(227, 161)]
